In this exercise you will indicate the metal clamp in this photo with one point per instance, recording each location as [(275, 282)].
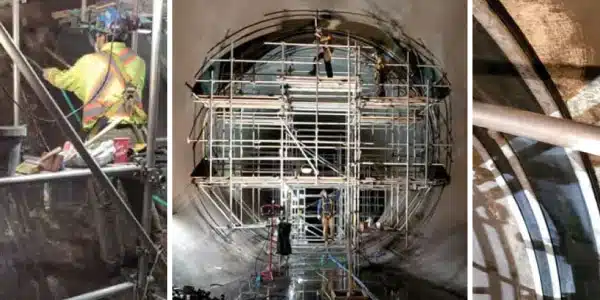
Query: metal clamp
[(152, 175), (141, 251)]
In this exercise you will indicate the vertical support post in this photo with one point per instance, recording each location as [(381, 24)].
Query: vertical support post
[(317, 106), (135, 35), (427, 131), (210, 128), (241, 199), (407, 174), (352, 196), (231, 128), (283, 133), (151, 143), (84, 14), (414, 141), (239, 138), (253, 200), (16, 11), (258, 155)]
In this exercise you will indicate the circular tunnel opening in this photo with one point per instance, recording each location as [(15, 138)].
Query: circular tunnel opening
[(371, 129)]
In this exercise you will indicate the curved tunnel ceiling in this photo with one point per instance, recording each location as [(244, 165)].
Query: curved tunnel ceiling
[(542, 54), (441, 243)]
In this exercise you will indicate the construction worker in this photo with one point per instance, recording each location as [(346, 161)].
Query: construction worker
[(326, 211), (325, 52), (381, 72), (109, 81)]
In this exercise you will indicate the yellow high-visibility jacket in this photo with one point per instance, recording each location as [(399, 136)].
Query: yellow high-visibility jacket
[(101, 94)]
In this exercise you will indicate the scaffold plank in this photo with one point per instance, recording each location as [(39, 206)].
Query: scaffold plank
[(276, 102), (275, 182)]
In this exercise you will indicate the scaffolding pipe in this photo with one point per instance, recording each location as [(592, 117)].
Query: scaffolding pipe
[(351, 193), (44, 95), (301, 45), (214, 203), (542, 128), (84, 11), (105, 292), (210, 128), (301, 148), (231, 127), (151, 144), (16, 22), (68, 174), (427, 131), (135, 36)]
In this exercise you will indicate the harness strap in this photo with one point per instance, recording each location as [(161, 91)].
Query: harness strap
[(96, 105)]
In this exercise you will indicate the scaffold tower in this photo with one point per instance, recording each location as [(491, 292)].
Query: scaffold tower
[(273, 132)]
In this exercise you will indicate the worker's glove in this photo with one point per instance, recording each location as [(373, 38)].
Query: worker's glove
[(319, 217), (48, 73)]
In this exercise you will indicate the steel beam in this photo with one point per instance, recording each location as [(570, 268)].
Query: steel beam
[(84, 7), (151, 143), (66, 174), (16, 75), (105, 292), (135, 37), (44, 96), (546, 129)]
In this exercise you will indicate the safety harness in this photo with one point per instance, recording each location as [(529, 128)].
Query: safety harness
[(327, 206), (125, 105)]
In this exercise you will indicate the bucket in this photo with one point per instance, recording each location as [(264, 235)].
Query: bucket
[(11, 138), (121, 148)]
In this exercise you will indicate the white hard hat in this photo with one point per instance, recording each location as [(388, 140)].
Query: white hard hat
[(324, 193)]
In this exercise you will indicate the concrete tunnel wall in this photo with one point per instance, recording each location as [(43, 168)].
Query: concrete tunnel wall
[(546, 51), (200, 258)]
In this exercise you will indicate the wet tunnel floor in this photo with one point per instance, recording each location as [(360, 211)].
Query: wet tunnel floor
[(310, 275)]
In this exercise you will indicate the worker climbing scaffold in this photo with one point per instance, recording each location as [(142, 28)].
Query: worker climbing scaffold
[(326, 212), (323, 37), (381, 74)]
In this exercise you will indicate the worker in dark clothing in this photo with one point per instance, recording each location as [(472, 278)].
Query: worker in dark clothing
[(325, 52), (326, 211), (381, 74), (284, 245)]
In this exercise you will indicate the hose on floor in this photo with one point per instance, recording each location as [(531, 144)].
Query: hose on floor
[(356, 279)]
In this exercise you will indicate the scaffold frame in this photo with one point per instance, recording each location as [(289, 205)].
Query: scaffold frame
[(284, 141)]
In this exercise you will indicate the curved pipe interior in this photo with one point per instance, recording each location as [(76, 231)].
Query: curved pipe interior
[(552, 190)]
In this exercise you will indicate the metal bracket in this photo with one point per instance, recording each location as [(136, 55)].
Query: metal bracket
[(152, 175), (141, 251)]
